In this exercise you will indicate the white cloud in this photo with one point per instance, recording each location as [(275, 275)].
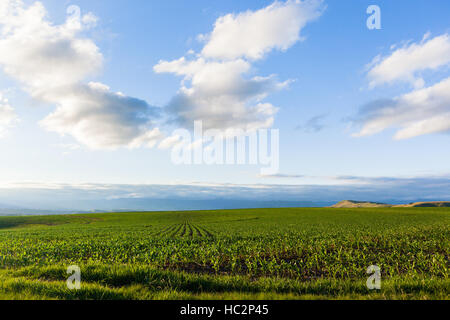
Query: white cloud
[(407, 62), (420, 112), (42, 55), (220, 95), (252, 34), (216, 87), (99, 118), (425, 110), (7, 116), (52, 61)]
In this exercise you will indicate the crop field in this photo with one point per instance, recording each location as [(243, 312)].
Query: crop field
[(299, 253)]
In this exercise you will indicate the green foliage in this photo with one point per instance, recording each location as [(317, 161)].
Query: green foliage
[(266, 253)]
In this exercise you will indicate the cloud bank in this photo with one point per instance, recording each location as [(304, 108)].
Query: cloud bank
[(179, 197)]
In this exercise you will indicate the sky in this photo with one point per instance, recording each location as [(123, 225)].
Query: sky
[(94, 93)]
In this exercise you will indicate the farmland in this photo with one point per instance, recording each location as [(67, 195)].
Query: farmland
[(301, 253)]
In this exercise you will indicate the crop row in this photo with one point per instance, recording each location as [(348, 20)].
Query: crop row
[(184, 230)]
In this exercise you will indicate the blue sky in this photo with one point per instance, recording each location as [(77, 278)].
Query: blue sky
[(319, 111)]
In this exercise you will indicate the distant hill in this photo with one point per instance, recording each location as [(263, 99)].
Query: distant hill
[(435, 204), (368, 204), (359, 204)]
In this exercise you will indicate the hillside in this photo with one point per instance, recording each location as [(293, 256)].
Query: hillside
[(432, 204), (368, 204), (359, 204)]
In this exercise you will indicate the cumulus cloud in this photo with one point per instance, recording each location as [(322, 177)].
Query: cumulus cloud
[(220, 95), (52, 61), (40, 54), (422, 111), (100, 118), (252, 34), (425, 110), (216, 86), (7, 115), (407, 62)]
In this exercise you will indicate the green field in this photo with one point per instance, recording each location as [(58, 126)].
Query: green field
[(238, 254)]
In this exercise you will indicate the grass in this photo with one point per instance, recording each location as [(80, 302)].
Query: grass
[(235, 254)]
